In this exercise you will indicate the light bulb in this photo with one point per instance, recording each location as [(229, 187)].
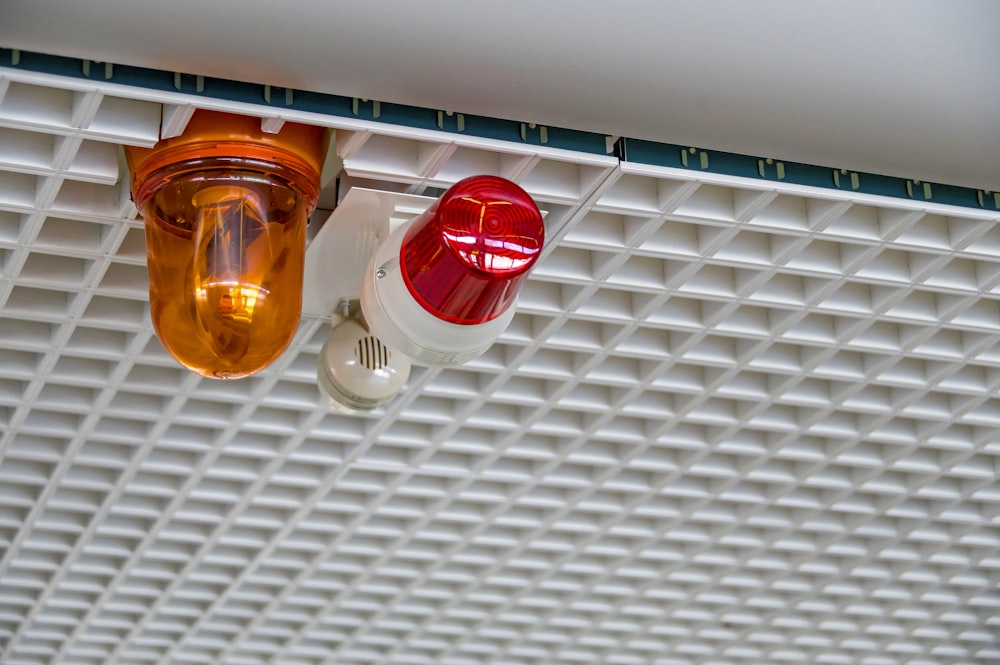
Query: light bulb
[(225, 240)]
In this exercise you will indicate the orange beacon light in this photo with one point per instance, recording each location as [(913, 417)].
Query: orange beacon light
[(225, 208)]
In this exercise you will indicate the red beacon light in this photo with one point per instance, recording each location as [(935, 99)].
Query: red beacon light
[(441, 288)]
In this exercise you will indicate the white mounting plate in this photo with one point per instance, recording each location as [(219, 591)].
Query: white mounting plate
[(339, 254)]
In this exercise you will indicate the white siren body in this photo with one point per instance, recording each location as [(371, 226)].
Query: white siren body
[(400, 321)]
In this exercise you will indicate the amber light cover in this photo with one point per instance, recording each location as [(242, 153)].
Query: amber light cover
[(225, 208), (465, 258)]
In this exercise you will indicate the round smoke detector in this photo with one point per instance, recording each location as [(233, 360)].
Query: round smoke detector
[(357, 371)]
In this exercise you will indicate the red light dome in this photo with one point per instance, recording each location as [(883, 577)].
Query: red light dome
[(465, 258)]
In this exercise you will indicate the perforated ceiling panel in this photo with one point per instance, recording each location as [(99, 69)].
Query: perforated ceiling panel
[(734, 421)]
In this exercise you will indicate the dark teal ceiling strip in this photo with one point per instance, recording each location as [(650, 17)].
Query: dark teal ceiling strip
[(301, 100), (758, 168)]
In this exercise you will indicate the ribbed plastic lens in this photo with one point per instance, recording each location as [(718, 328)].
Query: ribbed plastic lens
[(465, 258), (225, 207), (226, 251)]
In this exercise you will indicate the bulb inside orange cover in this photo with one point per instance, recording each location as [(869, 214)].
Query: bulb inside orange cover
[(225, 209)]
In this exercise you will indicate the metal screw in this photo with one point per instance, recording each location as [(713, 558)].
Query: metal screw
[(380, 273)]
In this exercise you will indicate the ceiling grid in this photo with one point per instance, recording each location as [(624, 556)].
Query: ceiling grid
[(734, 421)]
